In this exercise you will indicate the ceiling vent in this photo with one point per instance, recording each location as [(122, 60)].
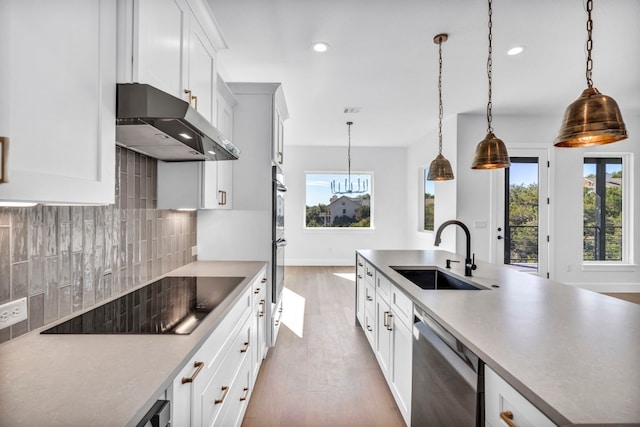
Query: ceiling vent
[(352, 110)]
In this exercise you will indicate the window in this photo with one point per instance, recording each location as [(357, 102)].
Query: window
[(603, 191), (326, 209), (429, 202)]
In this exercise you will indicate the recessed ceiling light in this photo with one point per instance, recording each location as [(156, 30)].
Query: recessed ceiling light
[(321, 47), (516, 50), (185, 135)]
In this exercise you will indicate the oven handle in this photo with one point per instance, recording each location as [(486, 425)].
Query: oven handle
[(281, 243), (280, 186)]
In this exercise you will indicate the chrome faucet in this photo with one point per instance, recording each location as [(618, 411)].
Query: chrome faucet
[(469, 262)]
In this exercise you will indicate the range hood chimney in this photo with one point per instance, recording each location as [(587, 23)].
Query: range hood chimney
[(165, 127)]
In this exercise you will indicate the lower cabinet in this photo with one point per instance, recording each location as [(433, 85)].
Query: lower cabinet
[(260, 323), (505, 406), (213, 389), (387, 327)]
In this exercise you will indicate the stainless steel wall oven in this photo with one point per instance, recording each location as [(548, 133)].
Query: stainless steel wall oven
[(279, 242)]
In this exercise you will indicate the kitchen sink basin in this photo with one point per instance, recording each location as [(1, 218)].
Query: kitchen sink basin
[(434, 279)]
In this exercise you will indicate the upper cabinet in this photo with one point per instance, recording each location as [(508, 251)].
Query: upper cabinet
[(172, 45), (57, 100)]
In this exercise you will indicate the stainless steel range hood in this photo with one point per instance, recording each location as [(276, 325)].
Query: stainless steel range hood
[(167, 128)]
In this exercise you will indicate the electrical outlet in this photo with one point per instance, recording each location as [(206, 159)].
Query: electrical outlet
[(13, 312)]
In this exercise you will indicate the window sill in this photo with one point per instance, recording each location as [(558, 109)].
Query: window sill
[(332, 230), (608, 266)]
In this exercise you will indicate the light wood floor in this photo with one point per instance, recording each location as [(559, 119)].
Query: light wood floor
[(627, 296), (329, 376)]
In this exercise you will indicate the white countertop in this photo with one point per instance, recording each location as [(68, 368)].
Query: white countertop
[(573, 353), (102, 380)]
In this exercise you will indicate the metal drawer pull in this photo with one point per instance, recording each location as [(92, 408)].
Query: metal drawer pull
[(369, 328), (261, 314), (257, 291), (369, 298), (360, 264), (190, 379), (507, 417), (370, 274), (389, 328), (225, 390), (246, 393), (4, 154), (245, 348), (264, 280), (359, 276)]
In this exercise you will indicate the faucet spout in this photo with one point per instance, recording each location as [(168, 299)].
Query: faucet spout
[(469, 262)]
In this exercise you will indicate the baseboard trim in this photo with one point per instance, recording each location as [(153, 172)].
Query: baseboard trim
[(320, 262), (609, 287)]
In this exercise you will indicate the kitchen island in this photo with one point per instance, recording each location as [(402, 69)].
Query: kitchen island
[(104, 380), (572, 353)]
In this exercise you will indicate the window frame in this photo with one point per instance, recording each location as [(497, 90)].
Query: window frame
[(627, 249), (371, 227)]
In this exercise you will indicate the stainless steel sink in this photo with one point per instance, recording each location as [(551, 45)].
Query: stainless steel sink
[(434, 279)]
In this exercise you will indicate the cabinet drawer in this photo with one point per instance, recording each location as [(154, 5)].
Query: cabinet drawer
[(369, 326), (217, 392), (239, 396), (401, 306), (369, 297), (383, 287), (260, 284), (502, 398), (369, 273)]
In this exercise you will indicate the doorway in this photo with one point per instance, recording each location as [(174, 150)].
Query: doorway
[(521, 210)]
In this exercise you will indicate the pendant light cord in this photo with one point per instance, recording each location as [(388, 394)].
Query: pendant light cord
[(440, 96), (349, 152), (589, 43), (489, 64)]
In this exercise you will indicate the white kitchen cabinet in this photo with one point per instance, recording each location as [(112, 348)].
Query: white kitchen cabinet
[(503, 402), (172, 45), (225, 105), (390, 336), (57, 99), (260, 322), (194, 185), (360, 286), (215, 365)]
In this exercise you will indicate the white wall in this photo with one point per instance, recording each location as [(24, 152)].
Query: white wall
[(420, 154), (337, 247), (474, 191)]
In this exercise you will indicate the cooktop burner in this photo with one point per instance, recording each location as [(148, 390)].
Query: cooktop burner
[(171, 305)]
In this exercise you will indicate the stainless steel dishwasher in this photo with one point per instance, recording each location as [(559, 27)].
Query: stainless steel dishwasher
[(448, 378)]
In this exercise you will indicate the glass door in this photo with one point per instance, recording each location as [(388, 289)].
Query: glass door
[(521, 196)]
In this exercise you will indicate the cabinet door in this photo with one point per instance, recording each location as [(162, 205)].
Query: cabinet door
[(60, 111), (360, 289), (278, 138), (160, 33), (401, 358), (201, 72), (383, 336)]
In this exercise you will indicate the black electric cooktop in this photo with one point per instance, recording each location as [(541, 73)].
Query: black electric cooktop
[(171, 305)]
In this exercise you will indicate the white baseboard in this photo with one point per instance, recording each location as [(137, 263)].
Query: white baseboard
[(608, 287), (321, 262)]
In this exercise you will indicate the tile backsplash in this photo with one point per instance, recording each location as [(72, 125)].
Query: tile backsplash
[(68, 258)]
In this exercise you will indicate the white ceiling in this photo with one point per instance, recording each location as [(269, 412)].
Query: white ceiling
[(383, 59)]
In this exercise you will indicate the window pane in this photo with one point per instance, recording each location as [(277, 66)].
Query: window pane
[(521, 234), (429, 202), (602, 209), (337, 200)]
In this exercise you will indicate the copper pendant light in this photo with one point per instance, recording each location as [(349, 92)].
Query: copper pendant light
[(440, 168), (491, 153), (594, 118)]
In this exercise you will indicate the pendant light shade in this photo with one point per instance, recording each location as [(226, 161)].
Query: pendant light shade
[(594, 118), (440, 168), (491, 153)]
